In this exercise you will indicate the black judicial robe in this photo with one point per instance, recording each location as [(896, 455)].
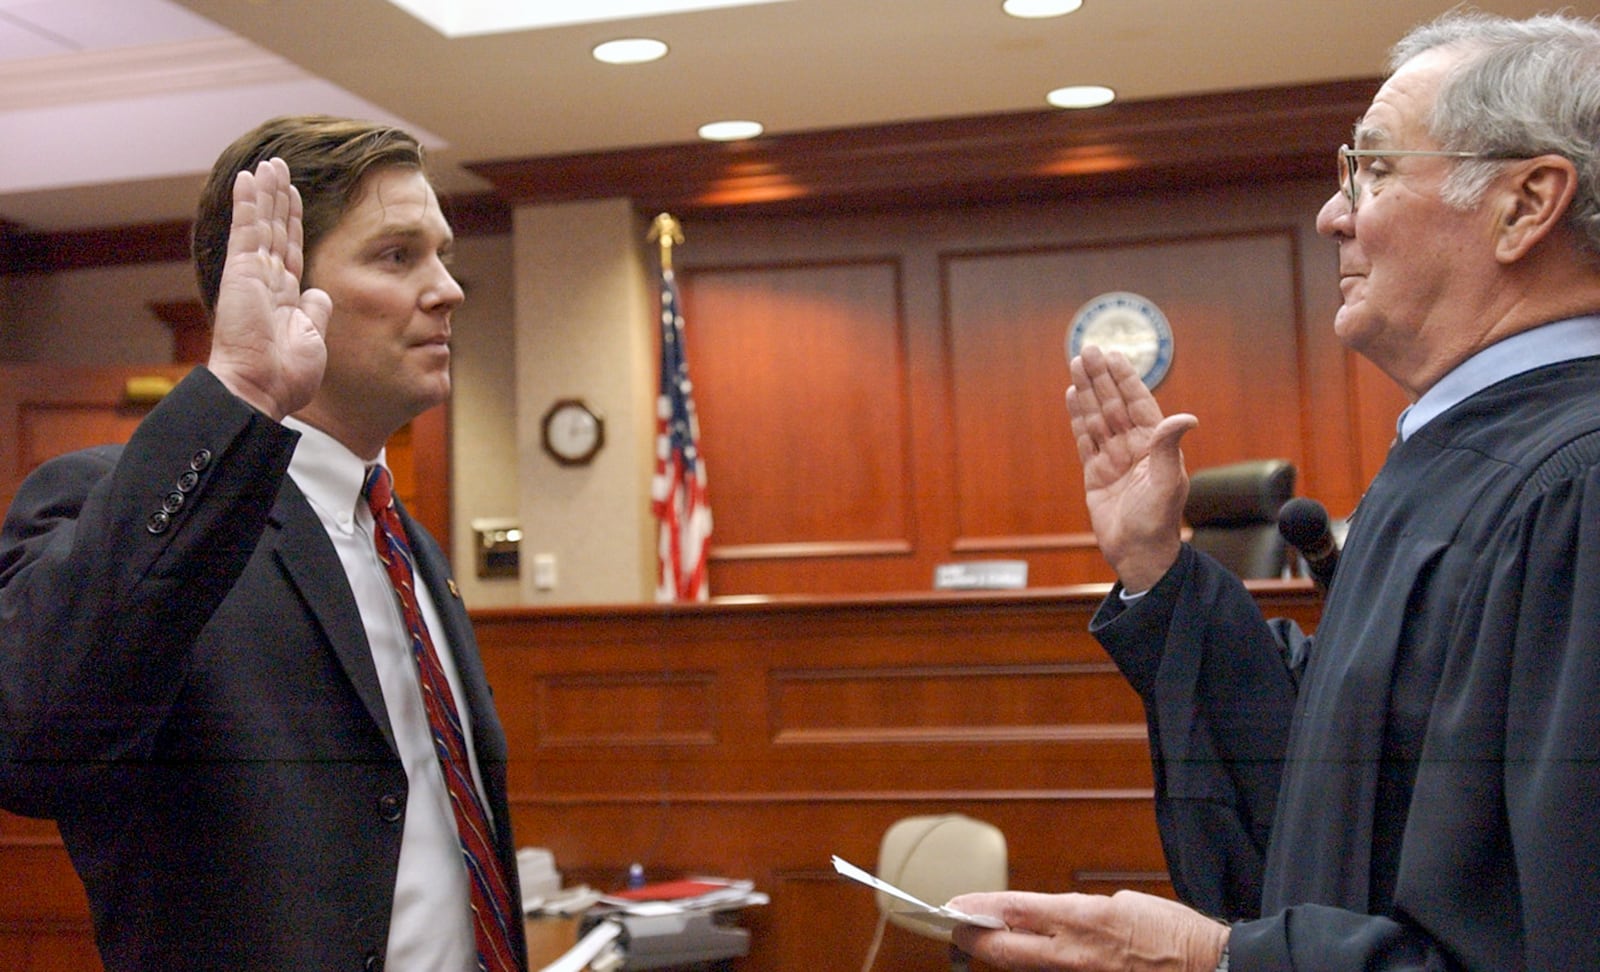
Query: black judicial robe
[(1418, 787)]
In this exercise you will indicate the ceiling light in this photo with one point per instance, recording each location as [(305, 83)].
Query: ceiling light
[(1081, 96), (463, 18), (630, 50), (1032, 9), (730, 131)]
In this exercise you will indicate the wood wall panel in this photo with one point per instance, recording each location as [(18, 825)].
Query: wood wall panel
[(666, 709), (757, 738), (985, 296), (828, 721), (1230, 301), (922, 704), (48, 410), (806, 440)]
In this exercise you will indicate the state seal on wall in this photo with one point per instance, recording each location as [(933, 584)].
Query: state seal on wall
[(1134, 325)]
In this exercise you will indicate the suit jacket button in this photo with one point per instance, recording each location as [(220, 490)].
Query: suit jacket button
[(173, 503), (374, 962), (200, 460), (188, 481), (158, 522), (391, 806)]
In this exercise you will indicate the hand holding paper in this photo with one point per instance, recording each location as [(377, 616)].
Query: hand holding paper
[(941, 916)]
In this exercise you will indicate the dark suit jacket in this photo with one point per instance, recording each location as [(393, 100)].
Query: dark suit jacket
[(187, 689)]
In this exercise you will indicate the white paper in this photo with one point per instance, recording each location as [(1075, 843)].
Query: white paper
[(942, 916)]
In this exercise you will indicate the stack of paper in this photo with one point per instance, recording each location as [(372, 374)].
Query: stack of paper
[(686, 894)]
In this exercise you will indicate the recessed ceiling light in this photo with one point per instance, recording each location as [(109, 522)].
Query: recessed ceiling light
[(1031, 9), (730, 131), (1081, 96), (630, 50), (463, 18)]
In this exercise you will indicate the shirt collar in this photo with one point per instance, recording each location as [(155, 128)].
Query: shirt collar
[(1577, 337), (326, 471)]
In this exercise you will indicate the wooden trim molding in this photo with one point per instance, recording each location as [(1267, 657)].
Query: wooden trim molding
[(1188, 141), (21, 251), (1172, 142)]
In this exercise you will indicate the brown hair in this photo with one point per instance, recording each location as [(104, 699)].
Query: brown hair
[(328, 157)]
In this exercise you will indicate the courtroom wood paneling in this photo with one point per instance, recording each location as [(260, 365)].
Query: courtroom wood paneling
[(46, 411), (758, 737), (755, 738), (49, 410), (807, 435), (1230, 301), (942, 335)]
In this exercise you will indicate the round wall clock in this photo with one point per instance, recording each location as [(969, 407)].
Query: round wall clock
[(1120, 321), (573, 432)]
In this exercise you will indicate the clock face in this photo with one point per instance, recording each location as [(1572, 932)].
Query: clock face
[(573, 433), (1127, 323)]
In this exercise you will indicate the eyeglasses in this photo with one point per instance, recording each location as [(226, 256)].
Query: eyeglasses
[(1348, 164)]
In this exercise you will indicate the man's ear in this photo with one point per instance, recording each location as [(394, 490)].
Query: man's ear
[(1534, 204)]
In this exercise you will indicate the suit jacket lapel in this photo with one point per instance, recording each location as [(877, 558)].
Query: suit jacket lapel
[(301, 545)]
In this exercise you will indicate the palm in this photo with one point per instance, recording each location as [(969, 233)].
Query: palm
[(267, 344), (1134, 480)]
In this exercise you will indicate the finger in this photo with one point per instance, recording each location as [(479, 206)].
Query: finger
[(294, 259), (1118, 385), (1089, 426), (242, 235), (1022, 911), (1087, 447), (1103, 384), (1136, 396), (279, 215)]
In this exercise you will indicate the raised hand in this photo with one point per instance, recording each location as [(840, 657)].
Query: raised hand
[(267, 342), (1133, 475), (1126, 932)]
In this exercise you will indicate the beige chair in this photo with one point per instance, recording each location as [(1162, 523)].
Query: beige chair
[(934, 858)]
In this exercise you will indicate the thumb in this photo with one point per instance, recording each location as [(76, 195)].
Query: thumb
[(1165, 439)]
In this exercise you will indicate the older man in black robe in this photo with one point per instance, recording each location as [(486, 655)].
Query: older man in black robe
[(1418, 787)]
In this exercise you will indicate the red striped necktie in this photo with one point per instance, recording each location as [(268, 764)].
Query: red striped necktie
[(491, 899)]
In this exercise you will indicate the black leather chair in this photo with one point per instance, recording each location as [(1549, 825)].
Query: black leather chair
[(1233, 511)]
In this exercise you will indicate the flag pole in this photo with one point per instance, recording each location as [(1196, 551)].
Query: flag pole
[(678, 484), (667, 231)]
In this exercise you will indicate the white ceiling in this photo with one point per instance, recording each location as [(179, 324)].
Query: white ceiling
[(111, 110)]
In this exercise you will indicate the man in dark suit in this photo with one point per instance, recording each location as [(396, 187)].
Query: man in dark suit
[(206, 676)]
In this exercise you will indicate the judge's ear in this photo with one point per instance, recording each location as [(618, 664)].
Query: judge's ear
[(1534, 204)]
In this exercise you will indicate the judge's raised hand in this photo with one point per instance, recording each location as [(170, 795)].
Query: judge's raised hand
[(1126, 932), (1133, 474), (267, 342)]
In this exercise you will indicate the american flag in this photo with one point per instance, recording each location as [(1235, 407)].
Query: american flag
[(678, 489)]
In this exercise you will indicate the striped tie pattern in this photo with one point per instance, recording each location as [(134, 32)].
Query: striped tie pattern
[(491, 899)]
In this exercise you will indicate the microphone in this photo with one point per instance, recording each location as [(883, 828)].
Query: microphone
[(1304, 523)]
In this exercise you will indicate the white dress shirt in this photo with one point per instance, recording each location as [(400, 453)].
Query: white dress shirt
[(430, 927)]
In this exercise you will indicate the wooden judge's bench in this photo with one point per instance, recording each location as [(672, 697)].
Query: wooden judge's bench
[(756, 737)]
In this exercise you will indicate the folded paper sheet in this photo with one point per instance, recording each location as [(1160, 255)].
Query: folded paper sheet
[(941, 916)]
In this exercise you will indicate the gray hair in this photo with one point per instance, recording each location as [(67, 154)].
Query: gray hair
[(1527, 88)]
